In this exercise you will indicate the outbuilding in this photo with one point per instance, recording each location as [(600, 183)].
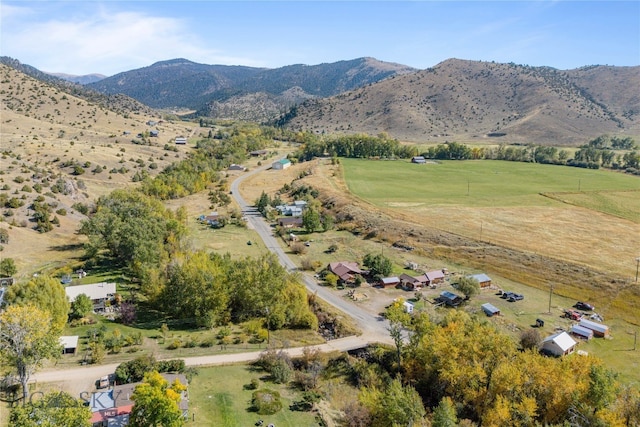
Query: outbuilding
[(419, 160), (69, 344), (483, 279), (581, 332), (559, 344), (490, 309), (408, 307), (181, 140), (450, 299), (281, 164), (599, 330), (389, 282)]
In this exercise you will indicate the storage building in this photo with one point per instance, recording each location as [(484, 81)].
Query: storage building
[(599, 330)]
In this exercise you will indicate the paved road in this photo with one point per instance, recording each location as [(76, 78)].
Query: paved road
[(374, 329)]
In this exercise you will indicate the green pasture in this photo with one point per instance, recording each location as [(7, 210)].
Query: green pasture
[(476, 183), (218, 397)]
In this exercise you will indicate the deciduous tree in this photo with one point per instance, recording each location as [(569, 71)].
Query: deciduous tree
[(378, 264), (7, 267), (56, 409), (27, 338), (156, 403), (47, 294), (81, 306), (468, 286)]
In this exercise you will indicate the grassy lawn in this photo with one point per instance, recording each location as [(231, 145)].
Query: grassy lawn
[(483, 183), (217, 397), (203, 341)]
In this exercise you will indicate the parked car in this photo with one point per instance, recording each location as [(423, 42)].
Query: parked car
[(584, 306), (515, 297), (506, 295), (103, 382)]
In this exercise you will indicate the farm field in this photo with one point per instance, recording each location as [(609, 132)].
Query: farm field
[(501, 203)]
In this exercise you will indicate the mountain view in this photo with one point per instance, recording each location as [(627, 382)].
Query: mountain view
[(454, 100), (357, 243)]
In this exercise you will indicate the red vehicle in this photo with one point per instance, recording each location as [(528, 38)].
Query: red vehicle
[(573, 315)]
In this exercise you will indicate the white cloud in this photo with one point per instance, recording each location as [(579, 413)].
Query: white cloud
[(107, 42)]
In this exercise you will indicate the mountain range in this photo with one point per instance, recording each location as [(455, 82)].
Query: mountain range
[(242, 92), (473, 100), (460, 100)]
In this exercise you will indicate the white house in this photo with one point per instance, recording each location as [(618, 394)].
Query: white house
[(559, 344), (281, 164), (98, 293)]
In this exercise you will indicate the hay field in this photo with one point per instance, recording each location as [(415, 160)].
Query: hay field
[(501, 203)]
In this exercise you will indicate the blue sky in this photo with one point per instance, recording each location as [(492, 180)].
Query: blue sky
[(108, 37)]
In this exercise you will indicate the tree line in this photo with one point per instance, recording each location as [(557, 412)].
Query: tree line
[(460, 370)]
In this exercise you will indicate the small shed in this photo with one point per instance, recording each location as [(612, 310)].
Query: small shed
[(69, 344), (483, 279), (154, 133), (281, 164), (490, 309), (599, 330), (235, 167), (419, 160), (388, 282), (408, 307), (450, 299), (181, 140), (559, 344), (581, 332)]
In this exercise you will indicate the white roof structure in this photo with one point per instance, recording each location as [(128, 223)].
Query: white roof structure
[(561, 341), (69, 341), (95, 291), (390, 280)]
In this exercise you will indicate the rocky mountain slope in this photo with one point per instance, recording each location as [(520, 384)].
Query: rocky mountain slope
[(116, 102), (475, 101)]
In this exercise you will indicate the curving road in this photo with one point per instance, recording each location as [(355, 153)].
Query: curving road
[(374, 329)]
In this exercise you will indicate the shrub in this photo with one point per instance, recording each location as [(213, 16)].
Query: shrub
[(173, 365), (207, 342), (175, 344), (61, 212), (298, 248), (281, 371), (266, 402)]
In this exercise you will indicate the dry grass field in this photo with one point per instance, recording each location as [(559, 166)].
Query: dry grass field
[(586, 253), (43, 134)]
